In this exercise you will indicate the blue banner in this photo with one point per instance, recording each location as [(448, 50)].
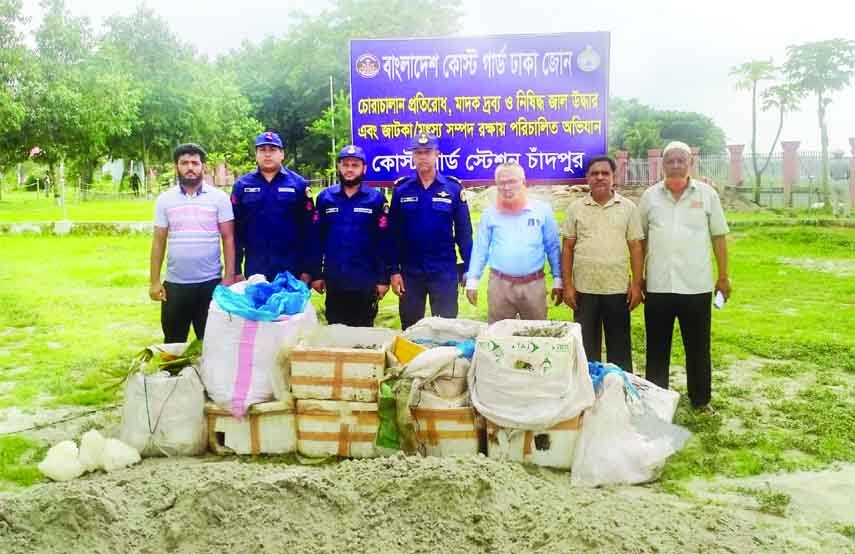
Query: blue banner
[(541, 100)]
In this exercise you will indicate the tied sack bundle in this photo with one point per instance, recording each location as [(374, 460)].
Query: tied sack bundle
[(530, 375), (163, 414), (443, 369), (249, 325), (624, 441), (432, 389)]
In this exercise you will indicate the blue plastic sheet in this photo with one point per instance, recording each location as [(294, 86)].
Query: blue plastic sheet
[(286, 295), (466, 347), (599, 370)]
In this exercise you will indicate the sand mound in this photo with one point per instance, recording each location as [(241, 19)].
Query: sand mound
[(561, 196), (393, 504)]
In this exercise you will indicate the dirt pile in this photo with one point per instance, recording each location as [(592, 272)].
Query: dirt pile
[(561, 196), (393, 504)]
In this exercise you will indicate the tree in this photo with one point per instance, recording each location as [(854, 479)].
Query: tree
[(287, 79), (161, 67), (77, 100), (821, 68), (13, 63), (784, 99), (643, 136), (321, 130), (748, 76), (690, 127), (183, 98)]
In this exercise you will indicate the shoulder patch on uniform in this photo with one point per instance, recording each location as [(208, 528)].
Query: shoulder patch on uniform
[(400, 180), (454, 179)]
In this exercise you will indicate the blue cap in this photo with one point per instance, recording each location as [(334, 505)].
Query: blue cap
[(424, 140), (270, 138), (352, 151)]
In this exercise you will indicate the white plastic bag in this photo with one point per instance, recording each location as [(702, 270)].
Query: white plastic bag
[(610, 451), (92, 450), (165, 415), (240, 358), (61, 462), (530, 383), (118, 455), (663, 402)]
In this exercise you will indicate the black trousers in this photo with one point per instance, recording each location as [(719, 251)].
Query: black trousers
[(605, 312), (356, 308), (693, 311), (442, 293), (185, 303)]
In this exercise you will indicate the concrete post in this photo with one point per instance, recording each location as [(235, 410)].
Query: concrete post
[(734, 176), (654, 156), (695, 153), (622, 167), (790, 168), (852, 173)]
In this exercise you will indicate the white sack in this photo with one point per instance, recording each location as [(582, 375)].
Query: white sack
[(530, 383), (610, 451), (240, 365), (165, 415)]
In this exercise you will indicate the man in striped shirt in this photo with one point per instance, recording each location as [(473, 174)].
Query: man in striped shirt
[(194, 218)]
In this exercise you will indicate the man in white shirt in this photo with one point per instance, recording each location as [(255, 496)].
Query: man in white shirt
[(683, 220)]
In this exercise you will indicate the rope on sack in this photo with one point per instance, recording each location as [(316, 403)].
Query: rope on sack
[(152, 430)]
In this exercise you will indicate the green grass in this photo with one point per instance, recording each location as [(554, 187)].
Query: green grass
[(768, 501), (18, 458), (27, 207), (73, 310)]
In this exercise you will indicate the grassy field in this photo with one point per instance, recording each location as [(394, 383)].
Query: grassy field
[(74, 309), (27, 207)]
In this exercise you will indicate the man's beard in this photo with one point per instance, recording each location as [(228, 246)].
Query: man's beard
[(190, 182), (355, 182), (511, 205)]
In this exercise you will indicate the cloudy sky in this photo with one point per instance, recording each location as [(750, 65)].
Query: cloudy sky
[(669, 54)]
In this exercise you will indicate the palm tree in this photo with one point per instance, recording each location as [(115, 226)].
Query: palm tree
[(748, 77), (784, 98), (822, 68)]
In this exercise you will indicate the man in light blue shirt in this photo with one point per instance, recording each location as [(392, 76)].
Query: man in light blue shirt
[(515, 237)]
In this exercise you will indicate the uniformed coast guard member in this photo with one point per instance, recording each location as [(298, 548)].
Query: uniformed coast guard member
[(427, 216), (350, 229), (273, 215)]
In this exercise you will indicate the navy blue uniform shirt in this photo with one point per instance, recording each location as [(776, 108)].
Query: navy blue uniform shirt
[(425, 224), (349, 238), (272, 223)]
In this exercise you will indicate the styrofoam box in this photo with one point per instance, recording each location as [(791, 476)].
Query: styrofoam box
[(336, 428), (445, 427), (268, 428), (327, 365), (552, 447)]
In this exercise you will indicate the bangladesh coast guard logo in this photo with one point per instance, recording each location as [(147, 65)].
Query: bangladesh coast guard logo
[(367, 65), (588, 60)]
